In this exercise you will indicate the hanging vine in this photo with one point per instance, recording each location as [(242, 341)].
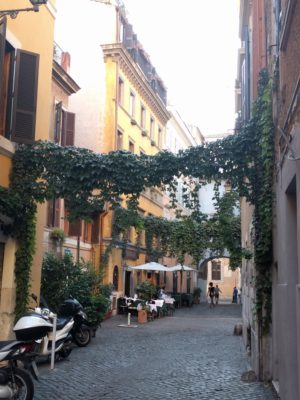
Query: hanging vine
[(86, 181)]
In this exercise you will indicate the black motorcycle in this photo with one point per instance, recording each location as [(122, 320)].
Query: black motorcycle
[(81, 331), (15, 382)]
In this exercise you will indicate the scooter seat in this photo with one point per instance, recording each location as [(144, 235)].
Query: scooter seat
[(62, 321), (8, 344)]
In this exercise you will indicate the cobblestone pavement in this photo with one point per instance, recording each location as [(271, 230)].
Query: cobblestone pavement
[(192, 355)]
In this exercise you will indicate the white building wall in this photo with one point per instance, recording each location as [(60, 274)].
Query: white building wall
[(83, 41)]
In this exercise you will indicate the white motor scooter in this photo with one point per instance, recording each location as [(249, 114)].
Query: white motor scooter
[(42, 318)]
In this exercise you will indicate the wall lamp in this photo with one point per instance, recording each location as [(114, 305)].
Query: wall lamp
[(14, 13)]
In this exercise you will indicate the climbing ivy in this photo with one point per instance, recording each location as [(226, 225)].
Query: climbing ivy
[(262, 194), (86, 181), (187, 235)]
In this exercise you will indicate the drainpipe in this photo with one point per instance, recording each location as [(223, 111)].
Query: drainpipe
[(102, 215), (117, 80), (260, 350)]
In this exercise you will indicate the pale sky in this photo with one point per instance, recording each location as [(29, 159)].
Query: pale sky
[(193, 46)]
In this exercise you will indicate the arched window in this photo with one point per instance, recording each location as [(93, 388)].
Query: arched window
[(116, 277)]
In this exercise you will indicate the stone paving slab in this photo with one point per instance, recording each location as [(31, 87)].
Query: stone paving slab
[(192, 355)]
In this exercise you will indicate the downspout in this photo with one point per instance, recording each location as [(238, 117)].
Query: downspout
[(117, 79), (260, 349)]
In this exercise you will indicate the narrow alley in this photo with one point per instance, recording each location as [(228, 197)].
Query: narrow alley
[(192, 355)]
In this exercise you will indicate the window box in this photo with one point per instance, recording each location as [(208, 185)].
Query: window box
[(144, 132)]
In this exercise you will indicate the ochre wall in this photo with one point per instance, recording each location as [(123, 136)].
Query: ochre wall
[(33, 32)]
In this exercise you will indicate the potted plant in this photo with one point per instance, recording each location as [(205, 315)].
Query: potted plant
[(57, 237), (142, 314), (196, 294), (145, 291)]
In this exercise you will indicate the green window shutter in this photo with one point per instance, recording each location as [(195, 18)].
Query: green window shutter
[(25, 98)]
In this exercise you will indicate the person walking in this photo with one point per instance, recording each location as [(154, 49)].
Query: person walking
[(211, 294), (235, 295), (217, 293)]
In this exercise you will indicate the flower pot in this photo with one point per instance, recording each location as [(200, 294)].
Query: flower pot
[(142, 316)]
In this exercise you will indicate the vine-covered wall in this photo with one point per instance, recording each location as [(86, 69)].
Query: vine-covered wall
[(86, 181)]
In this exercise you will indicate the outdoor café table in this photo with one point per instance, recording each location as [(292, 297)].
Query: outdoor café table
[(158, 303), (132, 305), (152, 307), (169, 300)]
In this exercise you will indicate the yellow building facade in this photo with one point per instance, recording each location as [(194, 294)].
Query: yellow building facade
[(121, 106), (135, 120), (26, 50)]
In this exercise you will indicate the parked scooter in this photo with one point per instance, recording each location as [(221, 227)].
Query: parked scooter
[(15, 382), (81, 331), (41, 320)]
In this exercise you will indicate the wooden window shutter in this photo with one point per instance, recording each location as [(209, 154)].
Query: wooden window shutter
[(75, 228), (53, 213), (50, 212), (96, 228), (68, 129), (58, 115), (2, 50), (24, 111), (57, 213)]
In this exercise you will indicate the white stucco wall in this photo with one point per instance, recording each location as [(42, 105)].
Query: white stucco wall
[(83, 41)]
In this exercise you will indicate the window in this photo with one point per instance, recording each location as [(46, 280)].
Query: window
[(160, 144), (18, 90), (95, 234), (121, 32), (143, 117), (121, 92), (116, 277), (64, 130), (75, 228), (216, 270), (139, 277), (132, 104), (152, 128), (119, 140), (86, 232), (53, 220), (175, 282), (227, 187), (131, 146)]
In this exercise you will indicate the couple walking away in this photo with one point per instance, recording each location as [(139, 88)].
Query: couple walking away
[(213, 293)]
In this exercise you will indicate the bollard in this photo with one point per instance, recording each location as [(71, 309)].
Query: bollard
[(129, 315), (53, 342)]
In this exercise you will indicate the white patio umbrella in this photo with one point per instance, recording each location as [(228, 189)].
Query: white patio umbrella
[(151, 266), (179, 267)]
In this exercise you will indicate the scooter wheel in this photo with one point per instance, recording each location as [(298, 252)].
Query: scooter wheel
[(83, 337), (20, 383), (65, 351)]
